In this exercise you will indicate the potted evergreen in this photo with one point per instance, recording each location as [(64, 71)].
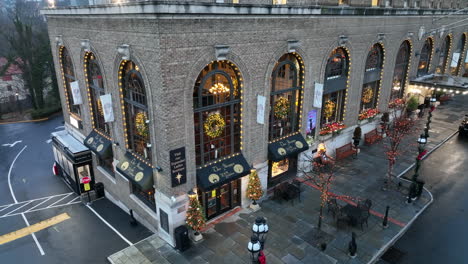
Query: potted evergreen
[(254, 189), (411, 106)]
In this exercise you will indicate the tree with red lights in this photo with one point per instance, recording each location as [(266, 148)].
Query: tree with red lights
[(397, 131)]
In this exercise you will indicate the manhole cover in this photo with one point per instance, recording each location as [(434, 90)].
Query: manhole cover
[(393, 255)]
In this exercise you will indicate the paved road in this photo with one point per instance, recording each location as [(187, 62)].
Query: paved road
[(440, 234), (83, 238)]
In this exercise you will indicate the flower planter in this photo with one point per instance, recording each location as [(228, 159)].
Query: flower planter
[(254, 207), (196, 236)]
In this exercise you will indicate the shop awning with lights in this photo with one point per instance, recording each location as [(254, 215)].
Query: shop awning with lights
[(136, 171), (439, 83), (222, 172), (98, 144), (287, 147)]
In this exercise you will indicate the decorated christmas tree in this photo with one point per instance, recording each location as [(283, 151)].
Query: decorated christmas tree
[(254, 189), (195, 217)]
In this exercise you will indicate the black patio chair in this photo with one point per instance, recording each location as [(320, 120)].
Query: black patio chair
[(363, 218), (341, 217)]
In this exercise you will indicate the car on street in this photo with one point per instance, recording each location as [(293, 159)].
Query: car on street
[(463, 128)]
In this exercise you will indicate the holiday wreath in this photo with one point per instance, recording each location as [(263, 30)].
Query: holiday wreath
[(140, 124), (367, 95), (329, 109), (281, 108), (214, 125)]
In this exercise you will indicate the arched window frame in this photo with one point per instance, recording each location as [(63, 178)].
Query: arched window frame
[(455, 71), (372, 77), (291, 123), (425, 57), (209, 148), (401, 70), (336, 86), (444, 52), (140, 145), (95, 86), (68, 76)]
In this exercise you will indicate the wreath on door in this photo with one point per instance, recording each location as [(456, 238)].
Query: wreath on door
[(214, 125)]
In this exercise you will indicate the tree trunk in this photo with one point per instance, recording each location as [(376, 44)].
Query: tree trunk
[(320, 217)]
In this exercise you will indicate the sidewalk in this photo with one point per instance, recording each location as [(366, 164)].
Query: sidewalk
[(290, 239)]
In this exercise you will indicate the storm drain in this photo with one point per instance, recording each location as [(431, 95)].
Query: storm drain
[(393, 255)]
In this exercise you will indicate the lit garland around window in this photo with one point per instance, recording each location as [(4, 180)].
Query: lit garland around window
[(282, 108), (214, 125), (329, 109), (141, 125), (367, 95)]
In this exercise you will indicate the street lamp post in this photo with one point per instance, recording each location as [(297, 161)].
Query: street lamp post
[(254, 248), (260, 229)]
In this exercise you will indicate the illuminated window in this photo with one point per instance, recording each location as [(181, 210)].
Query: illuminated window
[(425, 58), (375, 2), (456, 61), (343, 2), (286, 86), (146, 197), (68, 75), (334, 91), (217, 109), (137, 119), (372, 77), (401, 70), (279, 167), (280, 2)]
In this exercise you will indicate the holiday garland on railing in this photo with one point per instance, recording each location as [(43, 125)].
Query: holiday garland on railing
[(214, 125), (141, 125), (282, 108), (254, 188), (368, 113), (195, 215)]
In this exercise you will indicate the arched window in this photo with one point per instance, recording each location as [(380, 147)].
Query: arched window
[(135, 110), (96, 89), (372, 77), (335, 85), (68, 75), (425, 57), (443, 54), (217, 100), (286, 86), (456, 61), (401, 70)]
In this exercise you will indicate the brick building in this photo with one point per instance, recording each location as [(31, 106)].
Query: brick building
[(201, 92)]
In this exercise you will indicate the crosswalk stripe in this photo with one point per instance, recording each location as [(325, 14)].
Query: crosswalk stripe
[(59, 200)]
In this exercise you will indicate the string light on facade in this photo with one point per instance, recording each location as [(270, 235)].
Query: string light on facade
[(63, 78), (448, 53)]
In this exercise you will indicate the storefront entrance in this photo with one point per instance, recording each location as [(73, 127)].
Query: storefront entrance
[(221, 199)]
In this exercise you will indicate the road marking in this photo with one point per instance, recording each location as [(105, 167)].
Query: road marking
[(59, 200), (38, 205), (12, 144), (59, 127), (110, 226), (48, 141), (73, 200), (31, 229), (17, 208), (7, 206), (16, 201)]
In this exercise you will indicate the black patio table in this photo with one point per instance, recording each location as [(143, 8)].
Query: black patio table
[(353, 213)]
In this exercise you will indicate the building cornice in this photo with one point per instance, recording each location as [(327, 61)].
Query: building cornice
[(174, 8)]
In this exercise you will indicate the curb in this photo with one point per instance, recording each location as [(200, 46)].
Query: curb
[(25, 121), (110, 260), (404, 229)]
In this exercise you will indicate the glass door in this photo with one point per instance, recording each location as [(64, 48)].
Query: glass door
[(224, 199)]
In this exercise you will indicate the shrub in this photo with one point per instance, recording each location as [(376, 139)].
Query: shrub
[(412, 104), (45, 112)]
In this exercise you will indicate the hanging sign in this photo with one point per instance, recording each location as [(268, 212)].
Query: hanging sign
[(311, 121), (318, 95), (106, 101), (261, 109), (178, 166), (455, 58), (75, 89)]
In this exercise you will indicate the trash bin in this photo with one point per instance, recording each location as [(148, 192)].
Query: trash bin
[(181, 238), (99, 189)]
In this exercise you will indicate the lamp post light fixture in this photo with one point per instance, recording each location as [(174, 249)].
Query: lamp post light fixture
[(260, 229), (422, 140), (254, 248)]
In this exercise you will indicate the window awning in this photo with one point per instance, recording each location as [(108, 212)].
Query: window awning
[(222, 172), (287, 147), (98, 144), (136, 171)]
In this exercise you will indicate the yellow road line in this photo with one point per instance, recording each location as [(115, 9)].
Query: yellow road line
[(33, 228)]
